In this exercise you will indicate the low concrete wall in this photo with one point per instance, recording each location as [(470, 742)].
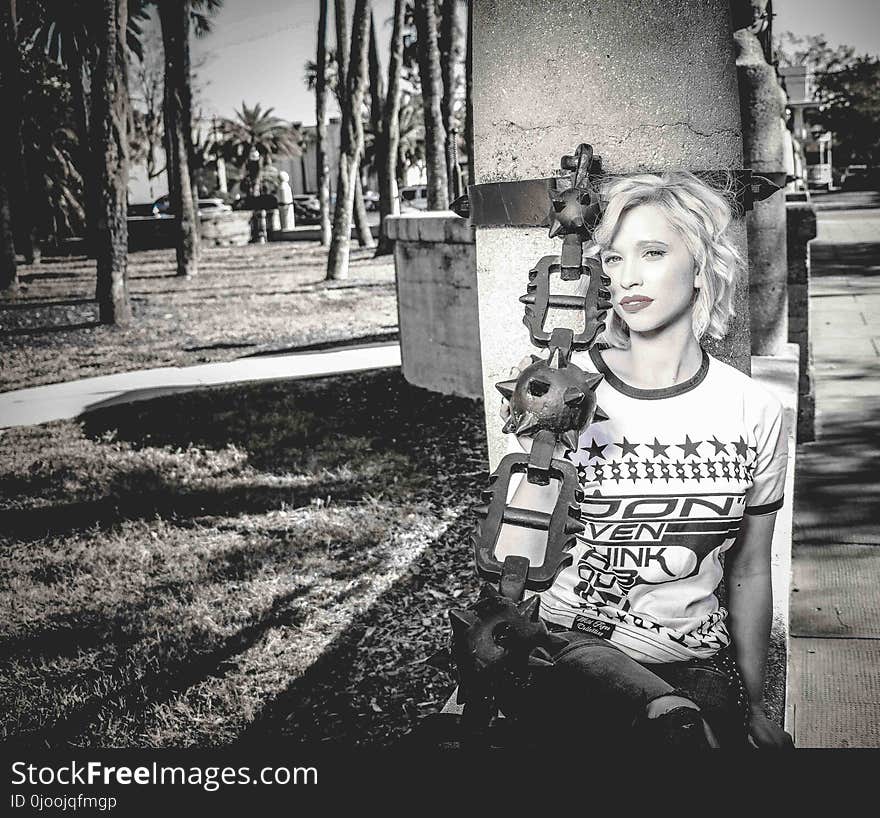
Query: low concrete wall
[(436, 271), (221, 229), (216, 230)]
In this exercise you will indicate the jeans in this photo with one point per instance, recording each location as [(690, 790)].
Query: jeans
[(595, 691)]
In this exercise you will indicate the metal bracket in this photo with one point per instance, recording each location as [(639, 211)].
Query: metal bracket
[(523, 203)]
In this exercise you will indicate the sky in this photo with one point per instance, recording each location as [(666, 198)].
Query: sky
[(258, 48)]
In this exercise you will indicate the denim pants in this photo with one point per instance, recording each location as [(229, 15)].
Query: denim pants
[(595, 691)]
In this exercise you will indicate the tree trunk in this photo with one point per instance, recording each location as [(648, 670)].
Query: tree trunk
[(361, 220), (386, 155), (8, 55), (175, 18), (432, 90), (451, 54), (322, 167), (8, 269), (352, 132), (18, 189), (110, 149), (469, 92)]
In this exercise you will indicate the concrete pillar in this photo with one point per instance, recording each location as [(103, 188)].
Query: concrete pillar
[(801, 222), (650, 85), (764, 134)]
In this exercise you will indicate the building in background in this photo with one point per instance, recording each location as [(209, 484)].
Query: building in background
[(814, 139)]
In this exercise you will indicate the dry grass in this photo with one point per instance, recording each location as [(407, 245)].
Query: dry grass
[(270, 560), (244, 300)]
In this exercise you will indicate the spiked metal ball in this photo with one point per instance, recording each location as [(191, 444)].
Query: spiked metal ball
[(554, 395)]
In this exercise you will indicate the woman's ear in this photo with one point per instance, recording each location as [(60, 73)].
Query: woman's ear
[(698, 280)]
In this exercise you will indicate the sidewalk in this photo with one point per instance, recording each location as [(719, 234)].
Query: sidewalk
[(62, 401), (834, 675)]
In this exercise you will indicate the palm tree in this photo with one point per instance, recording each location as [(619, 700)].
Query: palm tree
[(66, 31), (451, 47), (256, 130), (110, 148), (432, 90), (352, 132), (323, 169), (174, 16)]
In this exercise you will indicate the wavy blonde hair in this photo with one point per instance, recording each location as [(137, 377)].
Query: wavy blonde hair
[(701, 215)]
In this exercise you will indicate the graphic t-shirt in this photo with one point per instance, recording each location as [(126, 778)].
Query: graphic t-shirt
[(667, 479)]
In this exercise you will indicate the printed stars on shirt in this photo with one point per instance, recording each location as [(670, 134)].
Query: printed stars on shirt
[(741, 447), (595, 450), (689, 448), (720, 448), (627, 448), (658, 448)]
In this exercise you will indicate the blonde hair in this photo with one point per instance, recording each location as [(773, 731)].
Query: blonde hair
[(701, 215)]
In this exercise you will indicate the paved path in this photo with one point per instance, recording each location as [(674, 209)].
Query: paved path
[(62, 401), (834, 680)]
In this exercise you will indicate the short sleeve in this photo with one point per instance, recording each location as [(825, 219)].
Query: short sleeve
[(766, 494)]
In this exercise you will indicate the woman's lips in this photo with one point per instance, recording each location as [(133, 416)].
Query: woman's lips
[(636, 304)]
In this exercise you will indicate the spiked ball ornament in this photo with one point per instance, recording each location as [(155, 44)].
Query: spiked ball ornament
[(554, 395)]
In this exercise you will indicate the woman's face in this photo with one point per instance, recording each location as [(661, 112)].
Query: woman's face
[(651, 270)]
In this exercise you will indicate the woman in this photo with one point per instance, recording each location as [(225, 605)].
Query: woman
[(683, 482)]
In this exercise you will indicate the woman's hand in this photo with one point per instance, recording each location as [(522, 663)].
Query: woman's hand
[(764, 734)]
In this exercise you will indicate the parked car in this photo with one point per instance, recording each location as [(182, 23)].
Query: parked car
[(857, 177), (414, 197), (162, 207), (307, 208)]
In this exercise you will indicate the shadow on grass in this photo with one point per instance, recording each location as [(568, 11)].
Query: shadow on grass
[(371, 685), (372, 682), (140, 690), (49, 329)]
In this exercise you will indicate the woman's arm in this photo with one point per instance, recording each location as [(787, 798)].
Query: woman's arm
[(750, 601)]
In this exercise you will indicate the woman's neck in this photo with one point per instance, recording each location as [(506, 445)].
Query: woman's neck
[(658, 360)]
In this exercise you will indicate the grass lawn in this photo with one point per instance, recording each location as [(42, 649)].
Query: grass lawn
[(244, 300), (234, 564)]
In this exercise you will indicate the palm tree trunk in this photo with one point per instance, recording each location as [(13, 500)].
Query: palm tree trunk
[(9, 56), (174, 16), (432, 90), (8, 268), (322, 166), (389, 204), (450, 44), (352, 134), (378, 114), (110, 109), (361, 220), (18, 189)]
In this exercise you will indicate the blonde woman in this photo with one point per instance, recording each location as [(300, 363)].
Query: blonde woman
[(682, 482)]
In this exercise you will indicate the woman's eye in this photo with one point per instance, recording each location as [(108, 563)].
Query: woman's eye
[(655, 253), (611, 259)]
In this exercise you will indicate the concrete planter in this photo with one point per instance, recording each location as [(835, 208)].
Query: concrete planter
[(436, 271)]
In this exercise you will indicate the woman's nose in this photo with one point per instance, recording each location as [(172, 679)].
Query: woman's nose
[(630, 274)]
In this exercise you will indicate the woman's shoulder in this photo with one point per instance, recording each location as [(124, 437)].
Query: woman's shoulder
[(728, 381)]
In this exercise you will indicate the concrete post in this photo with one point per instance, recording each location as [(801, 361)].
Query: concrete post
[(764, 134), (649, 84), (801, 222)]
